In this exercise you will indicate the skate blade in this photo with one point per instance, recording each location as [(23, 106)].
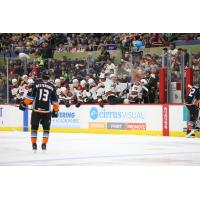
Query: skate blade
[(190, 135)]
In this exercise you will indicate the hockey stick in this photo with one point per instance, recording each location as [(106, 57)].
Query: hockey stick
[(145, 88)]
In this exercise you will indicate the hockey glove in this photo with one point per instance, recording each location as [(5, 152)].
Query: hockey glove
[(101, 104), (78, 104), (22, 106), (67, 104), (54, 114)]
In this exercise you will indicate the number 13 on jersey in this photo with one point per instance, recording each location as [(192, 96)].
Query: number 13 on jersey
[(43, 94)]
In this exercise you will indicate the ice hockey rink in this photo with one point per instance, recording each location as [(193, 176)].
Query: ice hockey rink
[(98, 149)]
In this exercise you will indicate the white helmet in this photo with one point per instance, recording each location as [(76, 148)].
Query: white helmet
[(75, 81), (24, 77), (83, 82), (30, 81), (91, 81), (57, 81), (126, 101), (102, 75), (143, 81), (14, 81), (112, 75)]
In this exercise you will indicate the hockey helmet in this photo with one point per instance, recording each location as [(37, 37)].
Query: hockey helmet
[(75, 81), (14, 81), (24, 77), (45, 75), (57, 81), (144, 81), (83, 83), (30, 81), (90, 81)]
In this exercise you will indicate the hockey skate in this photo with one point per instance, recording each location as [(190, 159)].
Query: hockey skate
[(190, 134), (44, 147), (34, 146)]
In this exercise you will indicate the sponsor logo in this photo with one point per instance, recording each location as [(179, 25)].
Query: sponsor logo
[(100, 125), (136, 126), (116, 125), (166, 120), (94, 114), (66, 115), (66, 120)]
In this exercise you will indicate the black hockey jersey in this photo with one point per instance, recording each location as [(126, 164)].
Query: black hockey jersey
[(194, 96), (43, 94)]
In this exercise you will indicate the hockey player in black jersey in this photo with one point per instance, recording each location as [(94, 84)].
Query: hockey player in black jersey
[(42, 96), (192, 103)]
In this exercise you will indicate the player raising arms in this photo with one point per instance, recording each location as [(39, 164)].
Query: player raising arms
[(42, 96)]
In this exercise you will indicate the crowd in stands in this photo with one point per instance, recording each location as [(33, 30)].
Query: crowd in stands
[(76, 42)]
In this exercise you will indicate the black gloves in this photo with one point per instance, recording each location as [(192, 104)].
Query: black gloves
[(101, 104), (67, 104), (54, 114), (22, 106), (78, 104)]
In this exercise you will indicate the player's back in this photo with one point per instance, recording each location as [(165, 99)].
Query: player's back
[(43, 95), (193, 95)]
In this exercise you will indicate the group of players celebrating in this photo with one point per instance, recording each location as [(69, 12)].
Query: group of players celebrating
[(89, 91)]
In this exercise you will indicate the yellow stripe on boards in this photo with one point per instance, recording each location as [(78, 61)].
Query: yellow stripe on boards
[(104, 131), (182, 134), (11, 129)]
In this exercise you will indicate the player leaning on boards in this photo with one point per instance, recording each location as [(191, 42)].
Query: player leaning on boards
[(42, 96), (192, 104)]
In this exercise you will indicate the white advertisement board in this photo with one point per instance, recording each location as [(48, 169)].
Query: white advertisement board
[(177, 118), (122, 117), (130, 117), (10, 116)]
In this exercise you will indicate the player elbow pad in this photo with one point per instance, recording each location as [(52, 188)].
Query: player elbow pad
[(27, 101), (196, 102), (56, 107)]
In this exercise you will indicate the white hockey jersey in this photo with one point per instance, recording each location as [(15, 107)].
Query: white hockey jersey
[(111, 88), (136, 91)]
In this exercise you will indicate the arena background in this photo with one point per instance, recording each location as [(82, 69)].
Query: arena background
[(99, 182)]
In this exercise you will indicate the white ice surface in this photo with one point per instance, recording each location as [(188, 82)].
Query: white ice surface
[(99, 149)]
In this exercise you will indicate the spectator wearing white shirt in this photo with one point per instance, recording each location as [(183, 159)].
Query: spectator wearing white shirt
[(111, 66), (173, 51), (21, 55)]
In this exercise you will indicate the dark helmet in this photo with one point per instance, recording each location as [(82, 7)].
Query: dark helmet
[(45, 75)]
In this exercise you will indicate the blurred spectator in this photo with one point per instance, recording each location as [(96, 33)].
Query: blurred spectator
[(173, 51), (104, 54), (2, 89), (21, 55), (111, 66)]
